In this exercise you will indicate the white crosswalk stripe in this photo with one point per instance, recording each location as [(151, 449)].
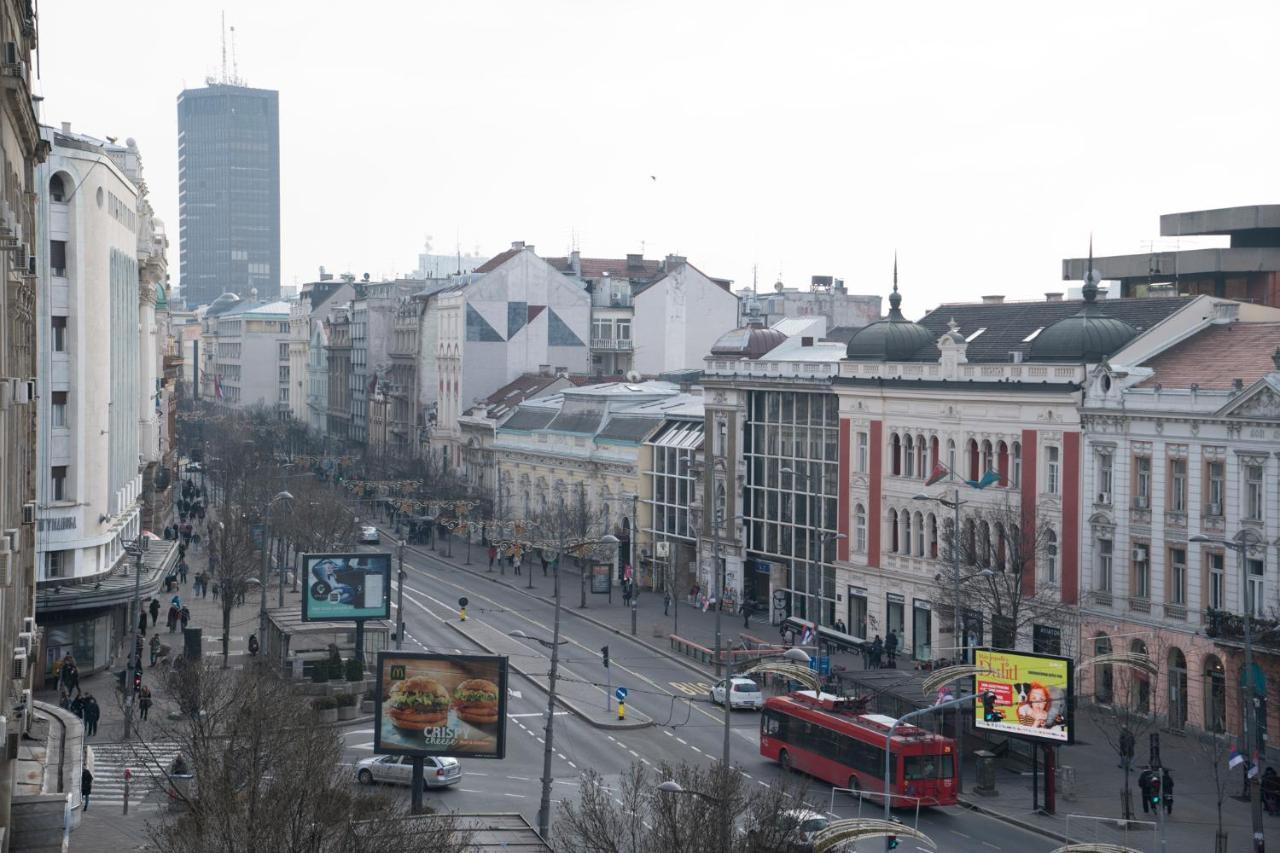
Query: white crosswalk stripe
[(148, 761)]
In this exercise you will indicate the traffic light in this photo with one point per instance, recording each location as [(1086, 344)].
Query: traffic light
[(1154, 795), (893, 842), (604, 656)]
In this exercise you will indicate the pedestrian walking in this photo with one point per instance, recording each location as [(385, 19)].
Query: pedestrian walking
[(626, 593), (142, 623), (493, 555), (77, 707), (515, 563), (877, 648), (195, 542), (253, 645), (1271, 791), (155, 648), (746, 614), (92, 712), (891, 649), (216, 585), (183, 568), (171, 622), (1166, 791), (545, 563), (666, 603), (155, 611), (144, 702), (1146, 781), (182, 551), (86, 786), (1126, 749), (184, 616)]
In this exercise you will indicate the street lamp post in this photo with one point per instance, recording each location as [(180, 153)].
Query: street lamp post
[(1251, 705), (137, 548), (266, 568)]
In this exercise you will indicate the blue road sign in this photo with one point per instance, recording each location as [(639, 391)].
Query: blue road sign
[(820, 665), (620, 694)]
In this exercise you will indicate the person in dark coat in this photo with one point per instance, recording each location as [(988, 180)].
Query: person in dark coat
[(891, 648), (91, 715), (142, 623), (493, 555), (1146, 781), (184, 616), (144, 702), (155, 611), (1166, 791), (1271, 791), (877, 649), (1126, 749), (86, 786)]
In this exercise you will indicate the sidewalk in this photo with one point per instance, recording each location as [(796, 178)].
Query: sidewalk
[(1097, 779)]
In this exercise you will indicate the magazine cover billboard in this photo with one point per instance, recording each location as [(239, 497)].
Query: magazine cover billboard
[(1025, 694), (343, 587), (435, 704)]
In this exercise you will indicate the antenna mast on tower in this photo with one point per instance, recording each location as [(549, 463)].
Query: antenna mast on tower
[(223, 78), (235, 66)]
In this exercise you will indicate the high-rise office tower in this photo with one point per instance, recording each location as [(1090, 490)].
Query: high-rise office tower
[(229, 191)]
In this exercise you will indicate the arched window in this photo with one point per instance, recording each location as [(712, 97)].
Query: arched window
[(922, 448), (919, 527), (974, 461), (951, 453), (984, 544), (1177, 682), (909, 456), (860, 529), (933, 452), (988, 457), (1002, 463), (895, 452), (721, 500), (1002, 547), (1141, 686), (905, 541), (969, 548), (933, 536), (57, 188), (1015, 468), (1103, 684), (893, 531), (1215, 695)]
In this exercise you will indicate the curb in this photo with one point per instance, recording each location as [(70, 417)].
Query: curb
[(1024, 825), (560, 700), (687, 664)]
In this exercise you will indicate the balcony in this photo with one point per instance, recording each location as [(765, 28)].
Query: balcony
[(1175, 611), (1140, 605), (1226, 628), (1100, 598), (611, 344)]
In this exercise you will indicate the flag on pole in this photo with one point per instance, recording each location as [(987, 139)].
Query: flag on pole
[(939, 471), (1234, 760), (987, 479)]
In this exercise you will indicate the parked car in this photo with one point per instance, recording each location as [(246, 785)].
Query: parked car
[(369, 535), (398, 770), (796, 829), (745, 694)]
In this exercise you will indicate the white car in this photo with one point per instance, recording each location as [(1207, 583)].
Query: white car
[(398, 770), (797, 828), (745, 694), (369, 535)]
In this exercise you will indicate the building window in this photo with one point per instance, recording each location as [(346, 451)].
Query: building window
[(1177, 577), (1215, 489), (1015, 477), (863, 452), (58, 258), (59, 475), (1254, 601), (55, 564), (1142, 482), (1051, 470), (624, 330), (284, 394), (909, 456), (951, 454), (1216, 580), (1253, 503), (284, 373), (284, 352), (1140, 580), (59, 334), (1105, 553), (1178, 485), (860, 529), (1051, 555), (57, 190), (58, 408), (1104, 478)]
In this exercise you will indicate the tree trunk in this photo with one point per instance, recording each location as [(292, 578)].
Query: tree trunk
[(226, 628)]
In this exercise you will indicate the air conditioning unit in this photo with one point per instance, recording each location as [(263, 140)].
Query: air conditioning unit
[(25, 640), (1140, 502), (29, 512), (1215, 509), (19, 665), (24, 391), (1104, 498), (1140, 553), (31, 264), (23, 709), (29, 624), (13, 539)]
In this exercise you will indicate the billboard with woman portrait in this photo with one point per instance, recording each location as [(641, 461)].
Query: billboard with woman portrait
[(1024, 694)]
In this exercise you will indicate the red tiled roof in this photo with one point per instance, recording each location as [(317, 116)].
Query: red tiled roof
[(497, 260), (1216, 356), (615, 267)]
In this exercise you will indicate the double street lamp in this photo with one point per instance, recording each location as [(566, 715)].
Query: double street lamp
[(1241, 548)]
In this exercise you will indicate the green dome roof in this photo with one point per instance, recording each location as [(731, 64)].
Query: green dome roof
[(1089, 336), (893, 339)]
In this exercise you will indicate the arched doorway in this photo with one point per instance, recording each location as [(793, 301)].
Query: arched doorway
[(1140, 701), (1177, 690), (1103, 682), (1215, 695)]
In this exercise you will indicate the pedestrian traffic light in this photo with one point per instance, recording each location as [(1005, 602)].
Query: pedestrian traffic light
[(893, 842), (1154, 794), (604, 656)]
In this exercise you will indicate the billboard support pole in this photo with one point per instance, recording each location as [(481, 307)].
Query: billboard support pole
[(400, 598), (417, 786), (360, 641)]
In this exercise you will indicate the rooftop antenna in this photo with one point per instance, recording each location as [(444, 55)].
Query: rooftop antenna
[(235, 66), (755, 269), (223, 79)]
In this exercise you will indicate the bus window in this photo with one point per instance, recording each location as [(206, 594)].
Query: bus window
[(921, 767), (773, 725)]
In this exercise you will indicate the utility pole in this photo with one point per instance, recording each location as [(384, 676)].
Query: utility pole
[(135, 660), (400, 597), (544, 803)]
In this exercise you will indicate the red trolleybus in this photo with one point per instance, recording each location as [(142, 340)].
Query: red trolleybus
[(823, 736)]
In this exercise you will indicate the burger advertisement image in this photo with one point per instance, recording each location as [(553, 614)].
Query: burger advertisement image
[(431, 704)]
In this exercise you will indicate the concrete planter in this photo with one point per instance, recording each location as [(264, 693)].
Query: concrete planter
[(329, 715), (346, 712)]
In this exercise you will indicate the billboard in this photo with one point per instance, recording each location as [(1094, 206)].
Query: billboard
[(342, 587), (431, 704), (1031, 695)]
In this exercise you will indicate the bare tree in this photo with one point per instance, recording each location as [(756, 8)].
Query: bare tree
[(320, 521), (262, 774), (637, 817), (1216, 749), (998, 555)]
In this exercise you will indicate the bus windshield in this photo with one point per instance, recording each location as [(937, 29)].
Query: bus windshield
[(921, 767)]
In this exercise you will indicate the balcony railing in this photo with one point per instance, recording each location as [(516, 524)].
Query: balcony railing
[(1224, 626), (613, 344)]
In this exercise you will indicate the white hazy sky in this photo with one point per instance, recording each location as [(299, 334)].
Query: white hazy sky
[(983, 142)]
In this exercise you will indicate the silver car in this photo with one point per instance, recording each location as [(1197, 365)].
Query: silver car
[(369, 535), (398, 770)]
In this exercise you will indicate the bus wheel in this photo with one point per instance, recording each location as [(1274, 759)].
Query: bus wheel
[(784, 758), (855, 790)]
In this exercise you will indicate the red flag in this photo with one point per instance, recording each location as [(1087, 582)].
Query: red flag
[(939, 472)]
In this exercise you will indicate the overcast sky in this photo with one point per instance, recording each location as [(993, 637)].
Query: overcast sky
[(983, 142)]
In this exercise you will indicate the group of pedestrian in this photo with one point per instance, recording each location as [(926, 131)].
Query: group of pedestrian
[(881, 653), (1148, 781), (179, 615)]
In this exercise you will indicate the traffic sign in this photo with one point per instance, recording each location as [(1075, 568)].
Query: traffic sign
[(620, 694)]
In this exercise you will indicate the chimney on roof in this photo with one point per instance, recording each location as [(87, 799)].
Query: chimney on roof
[(839, 287), (1237, 384), (1053, 297), (518, 244), (674, 261), (325, 276), (575, 262), (635, 262), (66, 127), (544, 369), (806, 341), (995, 299)]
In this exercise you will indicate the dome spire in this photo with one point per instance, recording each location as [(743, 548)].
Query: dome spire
[(1091, 278), (895, 298)]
